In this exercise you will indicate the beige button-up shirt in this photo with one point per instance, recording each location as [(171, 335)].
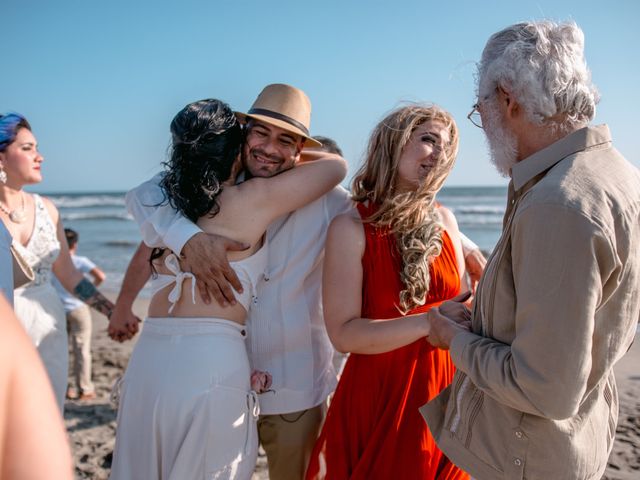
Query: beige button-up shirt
[(534, 396)]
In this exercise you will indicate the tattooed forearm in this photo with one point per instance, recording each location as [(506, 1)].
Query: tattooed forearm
[(88, 293), (84, 290)]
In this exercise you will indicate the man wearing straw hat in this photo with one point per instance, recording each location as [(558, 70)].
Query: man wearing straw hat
[(286, 335)]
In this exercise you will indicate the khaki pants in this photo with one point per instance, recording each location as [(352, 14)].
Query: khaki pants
[(288, 440), (79, 328)]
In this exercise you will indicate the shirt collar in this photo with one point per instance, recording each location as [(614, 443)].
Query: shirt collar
[(541, 161)]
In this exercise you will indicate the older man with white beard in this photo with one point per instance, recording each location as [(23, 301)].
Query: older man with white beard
[(534, 395)]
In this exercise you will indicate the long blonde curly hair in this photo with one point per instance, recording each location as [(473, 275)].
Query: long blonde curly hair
[(411, 216)]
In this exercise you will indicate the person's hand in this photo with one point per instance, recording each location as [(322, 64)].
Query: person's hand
[(474, 263), (205, 255), (123, 324), (442, 329), (456, 309)]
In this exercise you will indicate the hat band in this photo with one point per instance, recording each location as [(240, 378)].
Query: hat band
[(279, 116)]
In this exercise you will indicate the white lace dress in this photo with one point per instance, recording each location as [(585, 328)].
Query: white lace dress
[(37, 304)]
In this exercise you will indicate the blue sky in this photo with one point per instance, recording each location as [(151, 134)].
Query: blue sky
[(100, 81)]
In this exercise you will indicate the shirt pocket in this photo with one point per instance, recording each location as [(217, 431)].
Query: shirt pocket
[(603, 425), (467, 401), (611, 398)]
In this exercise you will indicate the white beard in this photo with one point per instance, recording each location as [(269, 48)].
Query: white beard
[(502, 143)]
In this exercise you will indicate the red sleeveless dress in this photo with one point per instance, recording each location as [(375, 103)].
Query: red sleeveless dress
[(373, 429)]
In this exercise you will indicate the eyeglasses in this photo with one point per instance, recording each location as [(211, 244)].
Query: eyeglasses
[(474, 116)]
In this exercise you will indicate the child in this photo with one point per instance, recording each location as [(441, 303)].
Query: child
[(79, 323)]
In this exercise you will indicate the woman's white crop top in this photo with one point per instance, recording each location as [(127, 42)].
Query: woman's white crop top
[(250, 271)]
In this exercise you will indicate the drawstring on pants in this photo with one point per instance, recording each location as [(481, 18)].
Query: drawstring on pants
[(253, 407)]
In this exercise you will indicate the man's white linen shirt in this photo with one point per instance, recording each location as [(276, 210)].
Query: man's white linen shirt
[(286, 332)]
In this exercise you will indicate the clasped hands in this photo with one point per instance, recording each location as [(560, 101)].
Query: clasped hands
[(449, 319), (123, 324)]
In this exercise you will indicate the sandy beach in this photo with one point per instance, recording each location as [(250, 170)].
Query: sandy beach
[(92, 425)]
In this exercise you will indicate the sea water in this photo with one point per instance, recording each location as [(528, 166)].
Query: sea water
[(109, 236)]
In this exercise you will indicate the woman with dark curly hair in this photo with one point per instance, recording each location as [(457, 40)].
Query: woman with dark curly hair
[(187, 407), (386, 265)]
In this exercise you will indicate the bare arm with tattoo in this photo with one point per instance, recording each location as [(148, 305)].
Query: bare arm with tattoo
[(69, 276), (89, 294)]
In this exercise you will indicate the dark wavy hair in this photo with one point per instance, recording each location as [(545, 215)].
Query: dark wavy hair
[(206, 141)]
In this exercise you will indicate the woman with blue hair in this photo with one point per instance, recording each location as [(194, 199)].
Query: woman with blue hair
[(38, 236)]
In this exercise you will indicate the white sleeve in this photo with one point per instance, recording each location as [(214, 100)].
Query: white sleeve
[(468, 245), (6, 264), (160, 225), (338, 201)]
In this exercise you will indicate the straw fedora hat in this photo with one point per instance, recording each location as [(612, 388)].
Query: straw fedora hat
[(285, 107)]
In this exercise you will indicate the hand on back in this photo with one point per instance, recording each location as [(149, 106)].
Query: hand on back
[(205, 255)]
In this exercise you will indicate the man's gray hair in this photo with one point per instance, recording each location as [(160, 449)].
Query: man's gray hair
[(542, 65)]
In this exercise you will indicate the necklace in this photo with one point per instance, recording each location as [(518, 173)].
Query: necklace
[(16, 216)]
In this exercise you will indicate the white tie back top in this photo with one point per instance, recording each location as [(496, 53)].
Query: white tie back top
[(250, 271)]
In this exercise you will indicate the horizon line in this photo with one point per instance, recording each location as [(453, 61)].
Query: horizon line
[(113, 192)]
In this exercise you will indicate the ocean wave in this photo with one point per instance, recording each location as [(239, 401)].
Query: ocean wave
[(70, 216), (64, 201), (457, 199), (121, 243), (479, 220), (479, 210)]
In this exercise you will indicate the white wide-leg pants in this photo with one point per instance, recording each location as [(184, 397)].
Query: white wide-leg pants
[(186, 409)]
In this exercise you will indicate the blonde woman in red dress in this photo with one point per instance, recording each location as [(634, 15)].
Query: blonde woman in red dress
[(385, 266)]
